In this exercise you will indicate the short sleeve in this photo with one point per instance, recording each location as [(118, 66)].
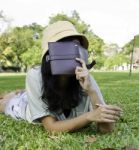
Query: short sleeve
[(36, 106), (84, 106)]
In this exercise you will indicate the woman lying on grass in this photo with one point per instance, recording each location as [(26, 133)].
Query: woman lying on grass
[(61, 103)]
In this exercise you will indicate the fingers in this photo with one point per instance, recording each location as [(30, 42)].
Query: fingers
[(110, 107), (82, 62), (110, 117), (108, 113), (116, 113), (78, 69), (108, 121), (81, 73)]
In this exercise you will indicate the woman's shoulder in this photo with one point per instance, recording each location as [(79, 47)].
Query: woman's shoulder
[(34, 72), (34, 69)]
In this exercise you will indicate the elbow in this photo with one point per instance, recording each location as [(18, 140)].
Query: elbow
[(50, 124), (51, 128)]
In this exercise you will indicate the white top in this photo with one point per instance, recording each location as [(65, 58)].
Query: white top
[(36, 108)]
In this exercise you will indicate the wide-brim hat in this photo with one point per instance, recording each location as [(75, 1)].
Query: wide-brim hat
[(58, 31)]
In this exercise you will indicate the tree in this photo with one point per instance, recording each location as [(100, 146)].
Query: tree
[(5, 21), (132, 48), (80, 25), (111, 49), (4, 43), (115, 60), (24, 43), (31, 57), (21, 40), (95, 43)]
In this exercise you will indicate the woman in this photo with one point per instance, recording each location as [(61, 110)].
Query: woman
[(61, 103)]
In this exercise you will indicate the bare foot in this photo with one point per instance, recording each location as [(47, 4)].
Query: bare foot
[(4, 99), (3, 103), (10, 94)]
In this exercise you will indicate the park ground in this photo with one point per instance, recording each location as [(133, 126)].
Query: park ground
[(117, 87)]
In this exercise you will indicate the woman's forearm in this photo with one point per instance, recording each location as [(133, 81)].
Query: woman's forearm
[(95, 94), (66, 125), (97, 98)]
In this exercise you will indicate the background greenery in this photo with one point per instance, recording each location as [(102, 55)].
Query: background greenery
[(20, 47), (117, 88)]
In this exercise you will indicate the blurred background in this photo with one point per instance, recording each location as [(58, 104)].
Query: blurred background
[(111, 26)]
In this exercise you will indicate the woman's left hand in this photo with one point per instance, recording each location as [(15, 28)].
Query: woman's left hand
[(82, 74)]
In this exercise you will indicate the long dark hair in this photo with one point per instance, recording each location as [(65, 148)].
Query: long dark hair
[(55, 97)]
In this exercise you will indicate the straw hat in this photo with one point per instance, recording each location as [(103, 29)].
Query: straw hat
[(60, 30)]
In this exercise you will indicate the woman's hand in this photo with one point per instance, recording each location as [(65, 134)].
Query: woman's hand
[(82, 74), (105, 113)]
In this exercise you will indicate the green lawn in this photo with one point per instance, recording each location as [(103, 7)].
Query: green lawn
[(117, 88)]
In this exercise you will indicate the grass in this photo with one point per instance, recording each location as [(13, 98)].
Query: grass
[(117, 88)]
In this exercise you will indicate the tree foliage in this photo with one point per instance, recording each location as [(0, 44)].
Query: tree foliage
[(17, 44), (21, 46), (115, 60), (95, 42), (128, 48), (132, 47)]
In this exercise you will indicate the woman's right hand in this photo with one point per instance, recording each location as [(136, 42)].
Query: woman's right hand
[(105, 113)]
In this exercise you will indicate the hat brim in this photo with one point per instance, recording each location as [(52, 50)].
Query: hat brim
[(83, 40)]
